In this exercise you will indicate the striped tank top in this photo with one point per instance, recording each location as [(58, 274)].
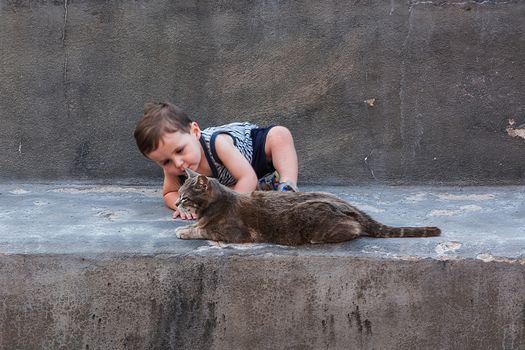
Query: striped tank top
[(241, 135)]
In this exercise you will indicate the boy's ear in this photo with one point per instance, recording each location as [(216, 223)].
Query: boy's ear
[(195, 129), (202, 182), (190, 173)]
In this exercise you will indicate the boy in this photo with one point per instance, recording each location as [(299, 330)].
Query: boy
[(238, 154)]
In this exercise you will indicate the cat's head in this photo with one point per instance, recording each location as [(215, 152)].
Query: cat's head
[(197, 192)]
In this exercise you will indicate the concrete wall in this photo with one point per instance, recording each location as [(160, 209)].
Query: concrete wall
[(446, 77), (258, 302)]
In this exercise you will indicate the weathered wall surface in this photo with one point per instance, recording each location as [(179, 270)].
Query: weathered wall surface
[(446, 77), (257, 302)]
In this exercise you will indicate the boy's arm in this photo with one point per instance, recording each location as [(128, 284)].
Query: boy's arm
[(170, 192), (236, 164)]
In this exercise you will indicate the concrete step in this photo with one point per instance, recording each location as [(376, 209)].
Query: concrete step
[(90, 266)]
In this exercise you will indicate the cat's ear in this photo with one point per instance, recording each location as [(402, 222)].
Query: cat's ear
[(202, 182), (190, 173)]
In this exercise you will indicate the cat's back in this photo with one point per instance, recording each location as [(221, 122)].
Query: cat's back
[(293, 200), (293, 217), (291, 196)]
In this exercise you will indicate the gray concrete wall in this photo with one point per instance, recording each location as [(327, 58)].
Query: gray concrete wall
[(259, 302), (446, 77)]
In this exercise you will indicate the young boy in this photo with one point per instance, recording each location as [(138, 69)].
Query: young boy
[(238, 154)]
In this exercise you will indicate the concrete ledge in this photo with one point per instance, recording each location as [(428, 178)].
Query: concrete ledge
[(99, 267), (259, 302)]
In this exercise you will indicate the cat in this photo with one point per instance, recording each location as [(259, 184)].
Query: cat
[(287, 218)]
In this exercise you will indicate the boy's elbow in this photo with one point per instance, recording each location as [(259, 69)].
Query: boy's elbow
[(247, 183), (170, 198), (253, 181), (168, 203)]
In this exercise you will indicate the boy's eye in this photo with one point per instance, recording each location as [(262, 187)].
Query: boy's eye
[(166, 162), (179, 150)]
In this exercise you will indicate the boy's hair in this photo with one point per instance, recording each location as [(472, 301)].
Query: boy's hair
[(159, 118)]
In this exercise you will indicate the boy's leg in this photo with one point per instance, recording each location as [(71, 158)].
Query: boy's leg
[(280, 150)]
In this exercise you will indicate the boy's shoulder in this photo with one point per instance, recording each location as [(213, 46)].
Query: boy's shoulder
[(237, 131), (231, 127)]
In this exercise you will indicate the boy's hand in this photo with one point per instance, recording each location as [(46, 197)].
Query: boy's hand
[(171, 198), (184, 216)]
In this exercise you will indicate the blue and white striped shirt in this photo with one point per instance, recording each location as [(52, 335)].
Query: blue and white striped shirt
[(241, 135)]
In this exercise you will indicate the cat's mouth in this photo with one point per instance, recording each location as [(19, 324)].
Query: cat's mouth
[(184, 206)]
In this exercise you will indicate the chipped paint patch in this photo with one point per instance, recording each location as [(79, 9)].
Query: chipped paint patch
[(108, 189), (453, 212), (466, 197), (368, 208), (110, 214), (370, 102), (446, 247), (515, 131), (485, 257), (470, 207), (372, 249), (19, 191), (418, 197), (444, 212), (238, 246)]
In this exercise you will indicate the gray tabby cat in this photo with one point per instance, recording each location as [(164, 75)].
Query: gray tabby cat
[(289, 218)]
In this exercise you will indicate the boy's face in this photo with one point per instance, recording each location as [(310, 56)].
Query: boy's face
[(179, 150)]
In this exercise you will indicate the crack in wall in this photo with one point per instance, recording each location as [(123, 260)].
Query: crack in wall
[(459, 3), (403, 125), (368, 165), (65, 65)]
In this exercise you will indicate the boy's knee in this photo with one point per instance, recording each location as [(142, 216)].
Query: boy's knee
[(281, 133)]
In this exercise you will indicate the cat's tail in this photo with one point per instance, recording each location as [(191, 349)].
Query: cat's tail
[(375, 229)]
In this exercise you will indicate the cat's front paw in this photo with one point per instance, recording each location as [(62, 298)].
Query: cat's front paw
[(183, 232)]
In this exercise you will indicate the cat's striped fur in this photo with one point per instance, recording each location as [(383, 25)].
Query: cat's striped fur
[(289, 218)]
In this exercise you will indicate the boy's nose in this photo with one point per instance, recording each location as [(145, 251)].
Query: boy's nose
[(179, 164)]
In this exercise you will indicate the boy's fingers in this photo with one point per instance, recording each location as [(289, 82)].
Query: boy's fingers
[(177, 213), (184, 216)]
